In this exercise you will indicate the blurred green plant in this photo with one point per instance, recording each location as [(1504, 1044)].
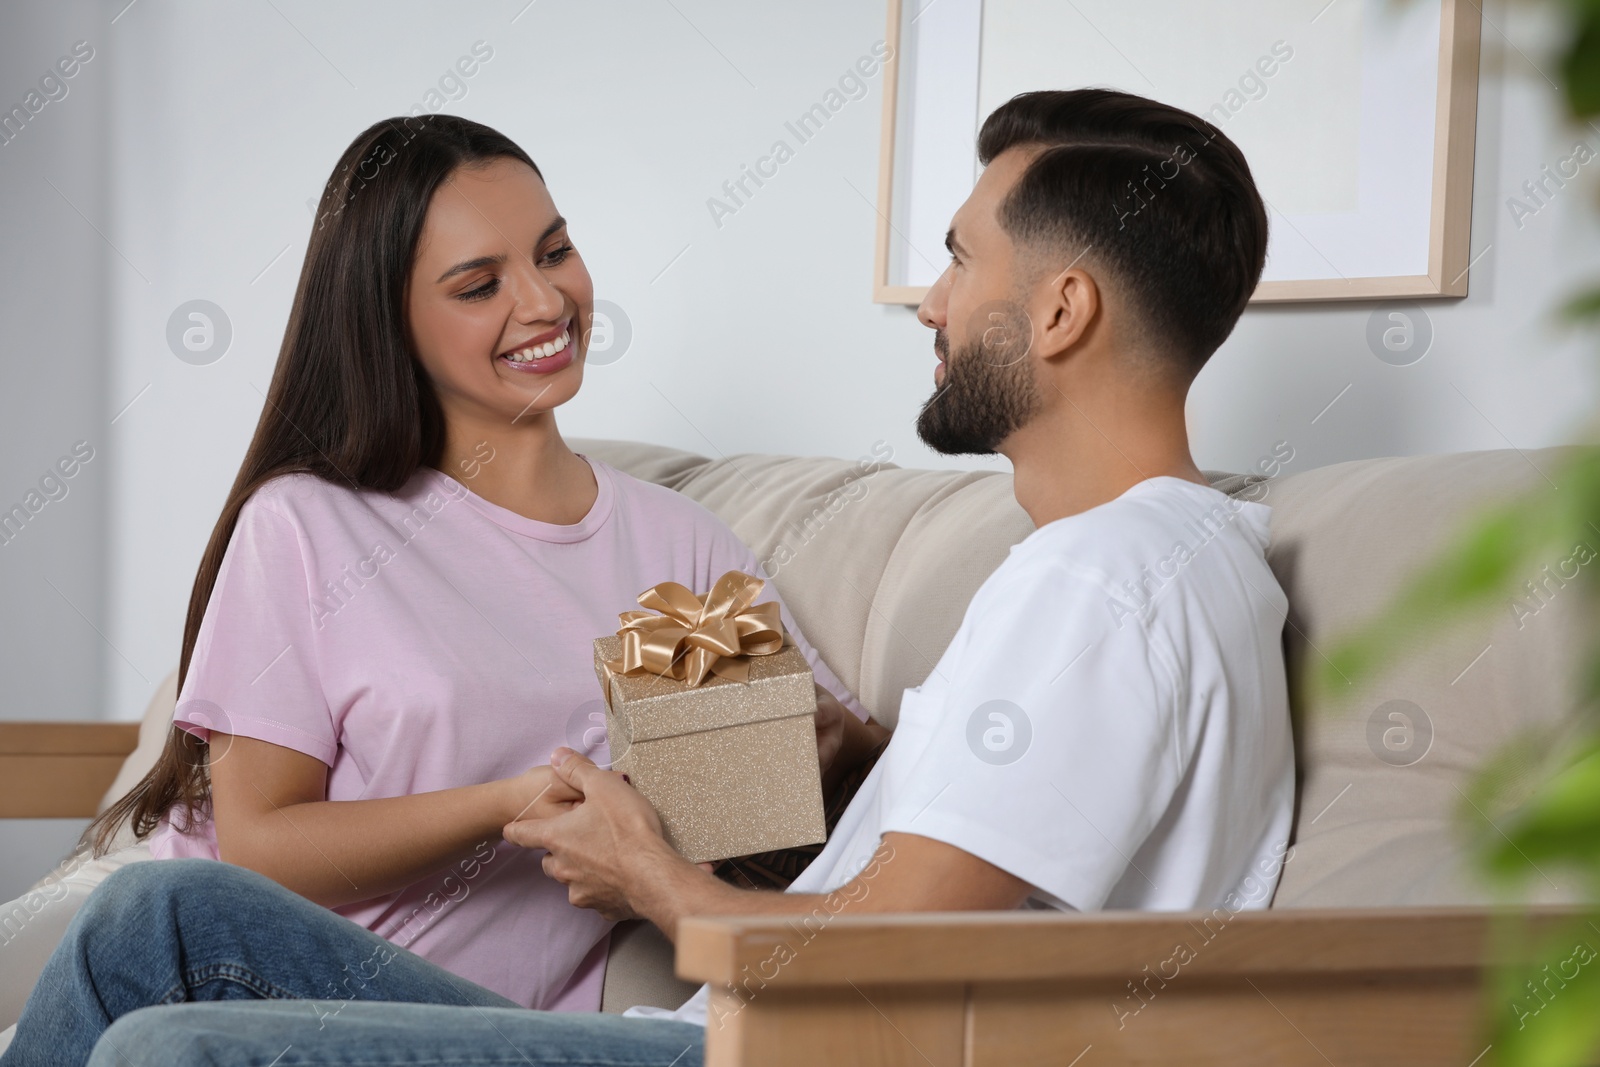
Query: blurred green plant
[(1558, 825)]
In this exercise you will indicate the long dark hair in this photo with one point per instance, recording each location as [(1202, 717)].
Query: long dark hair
[(349, 402)]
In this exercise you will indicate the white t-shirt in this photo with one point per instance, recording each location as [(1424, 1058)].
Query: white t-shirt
[(1110, 723)]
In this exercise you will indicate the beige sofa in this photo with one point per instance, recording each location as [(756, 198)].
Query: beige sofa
[(1377, 913)]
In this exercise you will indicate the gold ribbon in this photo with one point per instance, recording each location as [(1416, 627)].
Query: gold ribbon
[(691, 639)]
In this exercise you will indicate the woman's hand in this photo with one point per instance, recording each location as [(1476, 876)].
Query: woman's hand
[(536, 793)]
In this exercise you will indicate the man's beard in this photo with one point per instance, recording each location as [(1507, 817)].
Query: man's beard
[(987, 395)]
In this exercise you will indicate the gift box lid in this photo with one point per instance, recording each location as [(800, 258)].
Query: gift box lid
[(647, 706)]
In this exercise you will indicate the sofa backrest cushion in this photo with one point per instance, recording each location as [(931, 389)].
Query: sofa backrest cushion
[(1386, 813)]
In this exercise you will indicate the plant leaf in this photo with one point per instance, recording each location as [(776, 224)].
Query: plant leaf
[(1580, 65), (1583, 307)]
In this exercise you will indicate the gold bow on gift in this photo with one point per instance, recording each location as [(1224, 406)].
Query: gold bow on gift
[(692, 638)]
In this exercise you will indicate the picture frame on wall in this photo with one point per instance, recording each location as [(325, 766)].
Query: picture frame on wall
[(1357, 118)]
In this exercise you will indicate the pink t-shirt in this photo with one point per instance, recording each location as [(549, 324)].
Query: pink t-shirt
[(430, 639)]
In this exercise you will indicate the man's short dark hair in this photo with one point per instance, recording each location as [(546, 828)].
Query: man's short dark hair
[(1158, 197)]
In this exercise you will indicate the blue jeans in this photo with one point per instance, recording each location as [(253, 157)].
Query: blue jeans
[(284, 1034), (176, 933)]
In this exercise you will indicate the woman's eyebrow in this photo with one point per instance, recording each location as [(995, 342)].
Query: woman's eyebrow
[(486, 261)]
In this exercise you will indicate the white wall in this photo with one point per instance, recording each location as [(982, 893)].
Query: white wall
[(225, 119), (53, 363)]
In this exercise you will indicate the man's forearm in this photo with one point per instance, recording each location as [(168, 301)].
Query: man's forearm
[(665, 888), (669, 888)]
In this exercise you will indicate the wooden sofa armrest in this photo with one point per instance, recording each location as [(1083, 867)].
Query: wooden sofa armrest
[(1280, 988), (60, 770)]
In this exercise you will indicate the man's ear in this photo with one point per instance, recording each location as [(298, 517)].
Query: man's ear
[(1069, 304)]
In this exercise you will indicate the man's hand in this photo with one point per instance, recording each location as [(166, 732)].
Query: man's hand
[(603, 847)]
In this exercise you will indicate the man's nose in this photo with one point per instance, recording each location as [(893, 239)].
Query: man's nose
[(931, 312)]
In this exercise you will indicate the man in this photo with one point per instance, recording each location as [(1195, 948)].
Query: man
[(1109, 726)]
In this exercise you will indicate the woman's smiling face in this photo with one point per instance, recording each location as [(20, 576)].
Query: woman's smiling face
[(498, 304)]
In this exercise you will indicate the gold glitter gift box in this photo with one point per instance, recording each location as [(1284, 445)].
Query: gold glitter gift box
[(711, 714)]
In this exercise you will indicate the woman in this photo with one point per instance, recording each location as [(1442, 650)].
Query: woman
[(393, 619)]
